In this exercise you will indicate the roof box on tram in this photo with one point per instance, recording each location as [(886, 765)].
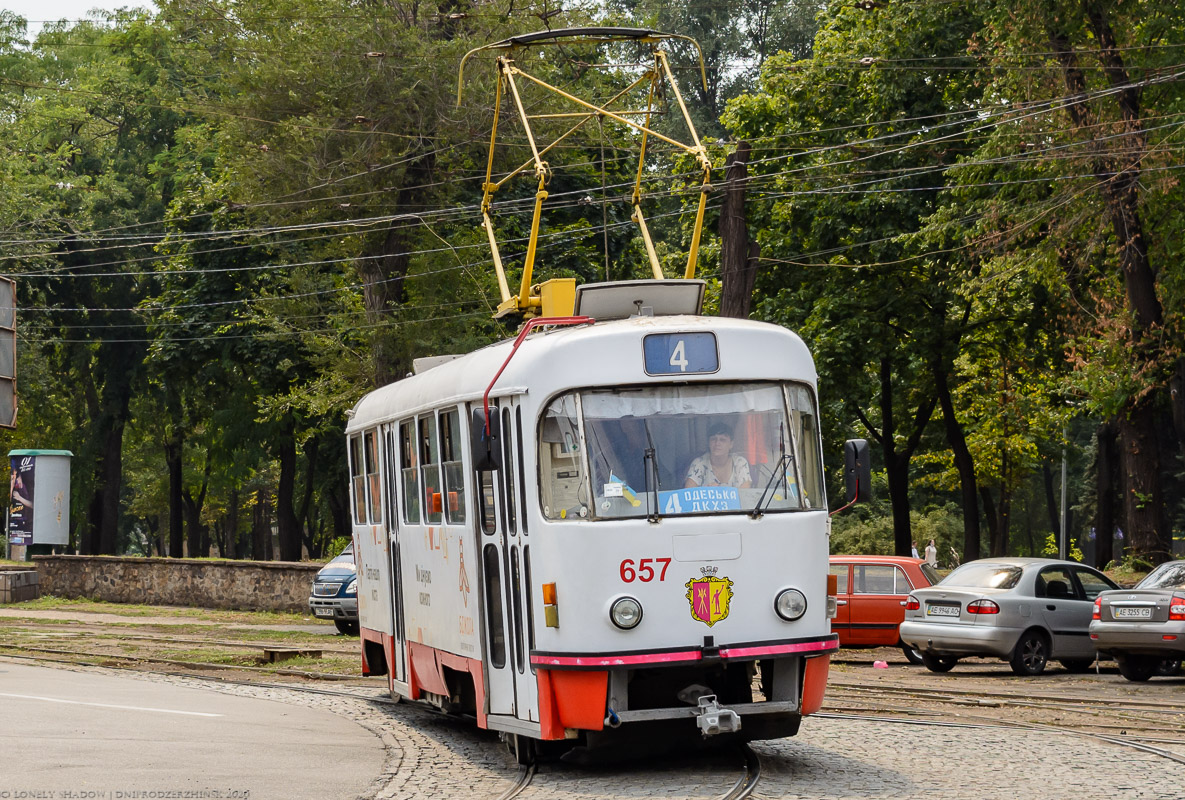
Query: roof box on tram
[(644, 298)]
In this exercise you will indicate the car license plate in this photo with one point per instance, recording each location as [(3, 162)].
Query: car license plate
[(1121, 612), (942, 611), (323, 612)]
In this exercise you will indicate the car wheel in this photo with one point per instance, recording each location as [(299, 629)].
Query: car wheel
[(1077, 664), (1169, 667), (912, 654), (348, 628), (1137, 668), (939, 663), (1031, 654)]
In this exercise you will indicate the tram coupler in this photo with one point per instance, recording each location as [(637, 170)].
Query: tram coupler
[(712, 719)]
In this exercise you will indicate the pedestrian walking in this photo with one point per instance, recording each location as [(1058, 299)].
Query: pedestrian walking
[(932, 554)]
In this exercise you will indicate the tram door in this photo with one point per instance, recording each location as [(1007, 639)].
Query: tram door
[(512, 685), (398, 655)]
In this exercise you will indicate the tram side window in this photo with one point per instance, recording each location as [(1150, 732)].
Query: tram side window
[(494, 607), (454, 469), (372, 478), (409, 473), (430, 470), (485, 496), (806, 439), (562, 484), (357, 480)]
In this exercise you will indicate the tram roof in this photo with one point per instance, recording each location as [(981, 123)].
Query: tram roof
[(604, 353)]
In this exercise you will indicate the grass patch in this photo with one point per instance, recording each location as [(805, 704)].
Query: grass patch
[(51, 603)]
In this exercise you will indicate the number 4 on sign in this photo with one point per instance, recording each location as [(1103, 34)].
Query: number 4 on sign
[(679, 356)]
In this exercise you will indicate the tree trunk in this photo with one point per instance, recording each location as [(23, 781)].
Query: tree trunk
[(993, 521), (738, 269), (286, 519), (261, 527), (1119, 182), (231, 549), (897, 461), (1143, 502), (305, 514), (1105, 461), (198, 533), (964, 463), (383, 271), (174, 452)]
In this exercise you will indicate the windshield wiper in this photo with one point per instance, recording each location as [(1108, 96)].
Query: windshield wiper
[(650, 465), (779, 471)]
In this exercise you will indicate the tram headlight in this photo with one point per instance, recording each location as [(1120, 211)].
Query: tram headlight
[(790, 604), (625, 613)]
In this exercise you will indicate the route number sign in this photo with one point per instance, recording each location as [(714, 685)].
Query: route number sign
[(680, 353)]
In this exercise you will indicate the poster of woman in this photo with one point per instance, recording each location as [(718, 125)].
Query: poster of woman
[(20, 516)]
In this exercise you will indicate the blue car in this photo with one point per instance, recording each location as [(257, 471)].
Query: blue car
[(335, 592)]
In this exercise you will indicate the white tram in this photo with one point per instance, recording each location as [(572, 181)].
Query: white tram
[(575, 572)]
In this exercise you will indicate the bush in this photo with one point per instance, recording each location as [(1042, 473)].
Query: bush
[(871, 531)]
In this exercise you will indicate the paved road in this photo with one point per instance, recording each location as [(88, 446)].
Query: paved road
[(67, 733)]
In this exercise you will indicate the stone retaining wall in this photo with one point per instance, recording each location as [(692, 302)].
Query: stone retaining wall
[(202, 583)]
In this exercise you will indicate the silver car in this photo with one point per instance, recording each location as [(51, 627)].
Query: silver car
[(1143, 628), (1025, 611)]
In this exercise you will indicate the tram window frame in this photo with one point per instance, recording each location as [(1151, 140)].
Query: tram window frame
[(428, 439), (496, 625), (374, 489), (452, 466), (357, 481), (516, 586), (804, 424), (522, 483), (508, 475), (409, 473), (530, 621), (391, 477)]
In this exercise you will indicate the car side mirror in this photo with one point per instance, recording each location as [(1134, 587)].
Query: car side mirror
[(485, 446), (857, 471)]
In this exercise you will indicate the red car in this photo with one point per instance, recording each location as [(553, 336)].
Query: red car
[(870, 599)]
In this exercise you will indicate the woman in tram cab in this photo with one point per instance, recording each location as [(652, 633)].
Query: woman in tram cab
[(719, 466)]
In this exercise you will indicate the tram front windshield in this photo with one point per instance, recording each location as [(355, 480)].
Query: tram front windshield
[(676, 450)]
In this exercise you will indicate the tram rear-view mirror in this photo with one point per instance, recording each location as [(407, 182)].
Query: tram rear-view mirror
[(857, 471), (485, 445)]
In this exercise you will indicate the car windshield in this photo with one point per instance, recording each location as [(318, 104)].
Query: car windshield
[(687, 449), (1166, 576), (984, 576)]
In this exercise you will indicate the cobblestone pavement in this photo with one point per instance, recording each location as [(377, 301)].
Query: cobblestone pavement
[(431, 757)]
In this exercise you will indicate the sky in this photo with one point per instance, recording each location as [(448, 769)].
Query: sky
[(38, 11)]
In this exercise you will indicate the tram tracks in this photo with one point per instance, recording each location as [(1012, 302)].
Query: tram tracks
[(1151, 726)]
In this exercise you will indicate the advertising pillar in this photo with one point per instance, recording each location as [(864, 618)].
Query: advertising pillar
[(39, 497)]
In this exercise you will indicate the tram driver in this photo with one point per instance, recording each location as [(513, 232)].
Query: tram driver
[(719, 466)]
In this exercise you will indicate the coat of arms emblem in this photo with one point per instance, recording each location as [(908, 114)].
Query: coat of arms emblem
[(709, 596)]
